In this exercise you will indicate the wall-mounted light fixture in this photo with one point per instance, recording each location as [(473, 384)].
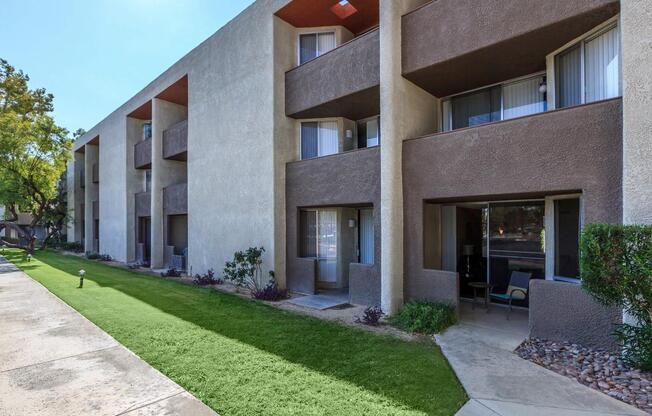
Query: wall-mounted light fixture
[(349, 133), (351, 223), (543, 87)]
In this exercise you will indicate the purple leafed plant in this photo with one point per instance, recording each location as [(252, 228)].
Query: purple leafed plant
[(207, 279), (271, 292), (371, 316)]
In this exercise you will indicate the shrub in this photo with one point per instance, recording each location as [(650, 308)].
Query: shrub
[(271, 292), (171, 273), (75, 247), (616, 269), (424, 317), (245, 268), (371, 316), (97, 256), (207, 279)]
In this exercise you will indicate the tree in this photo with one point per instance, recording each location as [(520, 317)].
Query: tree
[(34, 152)]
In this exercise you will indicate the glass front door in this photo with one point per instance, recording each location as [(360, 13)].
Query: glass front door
[(327, 245)]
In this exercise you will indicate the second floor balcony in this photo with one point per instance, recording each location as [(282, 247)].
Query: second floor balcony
[(575, 149), (143, 154), (343, 82), (175, 142), (351, 177), (143, 202), (175, 199)]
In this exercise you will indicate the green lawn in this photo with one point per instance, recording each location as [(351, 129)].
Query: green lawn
[(243, 357)]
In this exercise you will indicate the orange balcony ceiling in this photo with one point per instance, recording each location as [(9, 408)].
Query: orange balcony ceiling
[(357, 16)]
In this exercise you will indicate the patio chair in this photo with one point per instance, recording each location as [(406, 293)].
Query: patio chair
[(517, 289)]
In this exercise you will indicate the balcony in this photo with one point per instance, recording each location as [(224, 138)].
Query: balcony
[(143, 204), (345, 178), (341, 83), (577, 149), (451, 46), (175, 199), (175, 142), (143, 155)]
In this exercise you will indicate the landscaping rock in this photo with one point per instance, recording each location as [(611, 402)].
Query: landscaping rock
[(596, 368)]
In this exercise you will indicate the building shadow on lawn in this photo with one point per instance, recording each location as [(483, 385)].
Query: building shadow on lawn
[(410, 373)]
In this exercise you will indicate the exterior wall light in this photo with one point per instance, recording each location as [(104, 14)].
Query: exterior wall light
[(351, 223), (543, 87), (82, 272)]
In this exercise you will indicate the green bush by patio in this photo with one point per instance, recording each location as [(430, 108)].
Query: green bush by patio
[(242, 357), (616, 269), (424, 317)]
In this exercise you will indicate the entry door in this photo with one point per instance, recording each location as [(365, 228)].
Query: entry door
[(327, 245)]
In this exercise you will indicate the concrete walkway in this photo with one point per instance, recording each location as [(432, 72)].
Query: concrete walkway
[(500, 383), (53, 361)]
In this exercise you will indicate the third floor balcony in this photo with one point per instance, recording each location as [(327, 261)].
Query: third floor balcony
[(143, 154), (449, 46), (343, 82)]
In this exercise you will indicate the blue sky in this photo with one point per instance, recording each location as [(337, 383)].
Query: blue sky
[(93, 55)]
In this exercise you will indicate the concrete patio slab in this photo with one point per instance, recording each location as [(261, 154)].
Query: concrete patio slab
[(322, 301), (53, 361), (498, 382)]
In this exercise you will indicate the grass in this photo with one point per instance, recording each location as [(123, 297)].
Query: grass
[(243, 357)]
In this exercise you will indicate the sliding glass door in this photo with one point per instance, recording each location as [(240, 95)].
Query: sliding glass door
[(515, 241), (318, 239)]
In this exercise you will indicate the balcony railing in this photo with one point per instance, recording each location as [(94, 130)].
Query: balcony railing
[(343, 82), (143, 204), (143, 155), (175, 199), (175, 141), (448, 46)]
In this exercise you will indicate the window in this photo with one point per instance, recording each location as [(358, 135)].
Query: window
[(500, 102), (147, 131), (312, 45), (319, 139), (318, 238), (373, 132), (590, 70), (148, 180), (567, 231), (366, 236)]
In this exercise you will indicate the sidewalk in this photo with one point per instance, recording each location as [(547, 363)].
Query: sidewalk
[(53, 361), (500, 383)]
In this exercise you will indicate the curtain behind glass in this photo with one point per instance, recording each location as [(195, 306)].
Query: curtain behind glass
[(328, 140), (307, 47), (523, 98), (309, 140), (569, 77), (601, 66), (373, 133), (476, 108), (367, 236), (308, 233), (325, 42)]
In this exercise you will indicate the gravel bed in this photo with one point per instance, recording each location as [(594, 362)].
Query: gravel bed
[(597, 368)]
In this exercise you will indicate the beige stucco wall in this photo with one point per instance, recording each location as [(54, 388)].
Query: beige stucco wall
[(406, 111), (636, 30), (234, 200)]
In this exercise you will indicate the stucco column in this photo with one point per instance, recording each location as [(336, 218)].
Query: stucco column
[(636, 30), (406, 111), (91, 193), (135, 183), (164, 172)]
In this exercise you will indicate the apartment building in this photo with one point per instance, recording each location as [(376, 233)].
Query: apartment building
[(388, 149)]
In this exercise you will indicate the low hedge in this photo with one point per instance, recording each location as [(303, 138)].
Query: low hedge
[(424, 316)]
